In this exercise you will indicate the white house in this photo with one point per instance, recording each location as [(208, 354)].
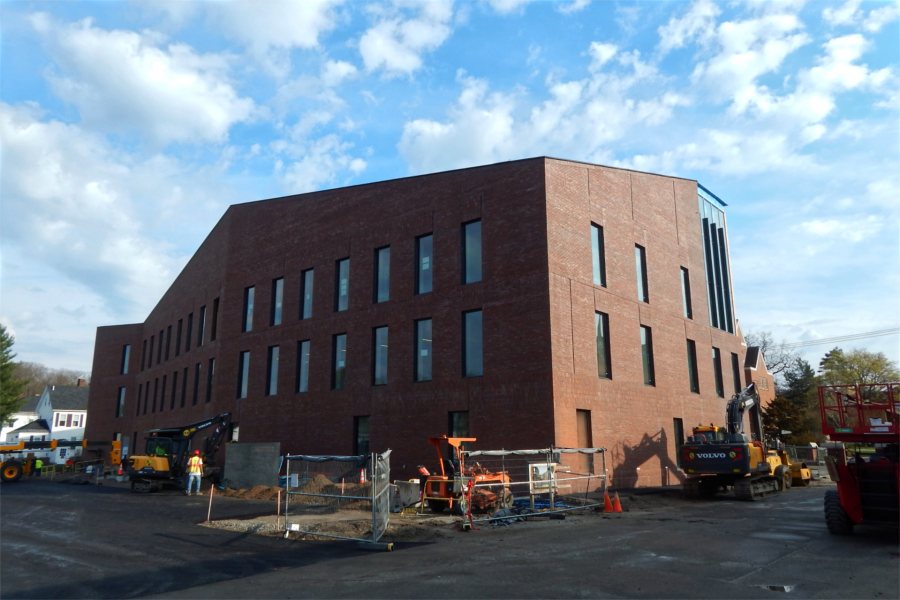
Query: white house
[(61, 415), (26, 414)]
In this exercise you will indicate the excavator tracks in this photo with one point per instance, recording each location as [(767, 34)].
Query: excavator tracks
[(755, 488)]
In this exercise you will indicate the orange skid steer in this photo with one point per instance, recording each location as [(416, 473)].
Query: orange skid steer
[(448, 488)]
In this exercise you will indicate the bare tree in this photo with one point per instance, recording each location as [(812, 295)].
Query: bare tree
[(37, 377), (778, 358)]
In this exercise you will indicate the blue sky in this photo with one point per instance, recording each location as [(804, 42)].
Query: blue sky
[(128, 128)]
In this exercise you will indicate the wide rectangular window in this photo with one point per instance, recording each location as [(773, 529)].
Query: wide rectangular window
[(598, 255), (174, 389), (736, 373), (210, 375), (693, 375), (379, 356), (473, 350), (249, 296), (120, 403), (178, 337), (423, 350), (243, 373), (201, 326), (272, 370), (213, 327), (338, 361), (686, 294), (198, 369), (640, 267), (126, 358), (303, 366), (342, 285), (382, 274), (306, 294), (361, 435), (717, 370), (277, 301), (424, 263), (647, 355), (471, 256), (601, 328)]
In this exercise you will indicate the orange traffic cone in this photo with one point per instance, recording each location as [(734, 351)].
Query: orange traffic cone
[(607, 505), (617, 506)]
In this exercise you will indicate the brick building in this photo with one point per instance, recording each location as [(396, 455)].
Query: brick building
[(527, 303)]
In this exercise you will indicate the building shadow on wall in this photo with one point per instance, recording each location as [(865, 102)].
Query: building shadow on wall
[(652, 450)]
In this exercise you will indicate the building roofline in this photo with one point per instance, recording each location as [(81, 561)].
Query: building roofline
[(710, 194)]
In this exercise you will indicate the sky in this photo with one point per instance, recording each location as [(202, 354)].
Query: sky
[(128, 128)]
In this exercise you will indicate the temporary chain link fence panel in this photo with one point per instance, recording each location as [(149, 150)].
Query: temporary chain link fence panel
[(339, 497), (492, 485)]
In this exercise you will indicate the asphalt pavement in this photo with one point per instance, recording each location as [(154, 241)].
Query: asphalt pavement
[(87, 541)]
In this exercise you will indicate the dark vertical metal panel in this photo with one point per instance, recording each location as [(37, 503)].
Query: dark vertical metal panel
[(710, 277), (726, 282)]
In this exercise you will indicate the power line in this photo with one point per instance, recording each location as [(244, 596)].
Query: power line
[(843, 338)]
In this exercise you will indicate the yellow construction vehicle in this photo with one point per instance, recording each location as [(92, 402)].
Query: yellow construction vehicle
[(14, 456), (164, 462)]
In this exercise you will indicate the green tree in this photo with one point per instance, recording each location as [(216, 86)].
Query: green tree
[(795, 407), (11, 388), (856, 366)]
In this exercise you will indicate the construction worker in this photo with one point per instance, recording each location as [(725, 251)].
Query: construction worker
[(38, 465), (195, 472)]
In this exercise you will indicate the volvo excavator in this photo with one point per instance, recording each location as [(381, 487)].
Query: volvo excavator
[(164, 463), (718, 458)]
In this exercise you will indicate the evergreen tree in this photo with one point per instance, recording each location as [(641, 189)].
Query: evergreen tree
[(11, 389)]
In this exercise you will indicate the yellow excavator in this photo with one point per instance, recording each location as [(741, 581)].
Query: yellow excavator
[(15, 462), (164, 462)]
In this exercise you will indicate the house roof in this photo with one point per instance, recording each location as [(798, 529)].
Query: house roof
[(68, 397), (39, 425), (29, 405)]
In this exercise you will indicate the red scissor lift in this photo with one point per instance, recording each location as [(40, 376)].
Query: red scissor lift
[(867, 417)]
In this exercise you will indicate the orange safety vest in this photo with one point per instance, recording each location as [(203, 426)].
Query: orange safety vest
[(195, 465)]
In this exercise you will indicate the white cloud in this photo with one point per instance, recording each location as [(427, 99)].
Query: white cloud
[(601, 53), (505, 7), (573, 7), (126, 81), (318, 165), (395, 44), (852, 14), (698, 23)]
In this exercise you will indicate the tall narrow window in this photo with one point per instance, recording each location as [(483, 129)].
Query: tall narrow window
[(342, 285), (601, 328), (736, 373), (361, 435), (272, 369), (718, 280), (162, 394), (189, 332), (458, 423), (184, 380), (174, 389), (423, 350), (143, 353), (210, 376), (277, 301), (640, 267), (168, 340), (678, 426), (382, 274), (214, 326), (201, 326), (598, 255), (693, 376), (249, 294), (471, 247), (338, 361), (120, 403), (717, 370), (379, 356), (584, 437), (424, 263), (137, 404), (243, 373), (159, 349), (126, 358), (306, 294), (647, 355), (178, 337), (473, 350), (198, 369), (150, 354), (303, 366), (686, 294), (155, 393)]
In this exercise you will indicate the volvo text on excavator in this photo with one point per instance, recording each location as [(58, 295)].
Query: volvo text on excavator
[(717, 458), (167, 452)]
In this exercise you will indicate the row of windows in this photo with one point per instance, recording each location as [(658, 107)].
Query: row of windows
[(472, 357), (184, 332), (154, 396), (69, 419), (598, 261), (604, 358), (470, 258)]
